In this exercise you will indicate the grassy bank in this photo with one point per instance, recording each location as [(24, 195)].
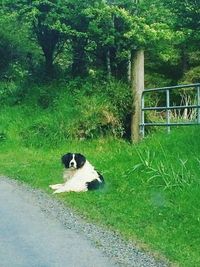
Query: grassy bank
[(152, 189)]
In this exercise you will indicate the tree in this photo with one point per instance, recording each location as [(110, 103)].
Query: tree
[(186, 19), (15, 45), (48, 23), (144, 31), (101, 34), (48, 38)]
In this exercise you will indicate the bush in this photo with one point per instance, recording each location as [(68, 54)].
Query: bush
[(97, 117), (79, 109), (10, 93), (102, 107), (192, 76)]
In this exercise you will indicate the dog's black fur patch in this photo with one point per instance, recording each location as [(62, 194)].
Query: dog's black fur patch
[(95, 184), (80, 160), (66, 159)]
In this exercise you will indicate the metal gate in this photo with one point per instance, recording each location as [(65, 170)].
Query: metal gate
[(168, 107)]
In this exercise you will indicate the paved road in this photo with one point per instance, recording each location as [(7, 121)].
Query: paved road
[(28, 237)]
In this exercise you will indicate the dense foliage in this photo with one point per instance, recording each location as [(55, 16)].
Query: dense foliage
[(44, 41), (85, 37)]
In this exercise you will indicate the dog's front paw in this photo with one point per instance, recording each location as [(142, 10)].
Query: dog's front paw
[(55, 186), (61, 190), (58, 191)]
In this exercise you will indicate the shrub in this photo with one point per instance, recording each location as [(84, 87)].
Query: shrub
[(9, 93), (97, 117), (192, 76), (79, 109)]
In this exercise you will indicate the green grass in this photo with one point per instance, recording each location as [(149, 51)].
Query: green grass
[(152, 188)]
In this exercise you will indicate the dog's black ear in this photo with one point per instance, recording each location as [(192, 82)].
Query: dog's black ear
[(80, 160), (65, 159)]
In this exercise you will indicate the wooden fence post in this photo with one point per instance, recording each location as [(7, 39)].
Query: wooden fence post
[(137, 87)]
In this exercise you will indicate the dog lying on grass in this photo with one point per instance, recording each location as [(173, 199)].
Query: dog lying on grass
[(79, 175)]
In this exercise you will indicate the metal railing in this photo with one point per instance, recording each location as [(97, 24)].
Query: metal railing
[(169, 107)]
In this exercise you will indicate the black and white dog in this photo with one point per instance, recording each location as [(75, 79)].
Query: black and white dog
[(79, 175)]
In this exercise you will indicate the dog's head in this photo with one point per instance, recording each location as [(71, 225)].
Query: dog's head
[(73, 160)]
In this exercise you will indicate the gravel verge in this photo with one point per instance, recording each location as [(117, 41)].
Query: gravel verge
[(123, 253)]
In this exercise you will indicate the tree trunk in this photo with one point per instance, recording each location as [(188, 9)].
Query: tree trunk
[(79, 65), (49, 68), (48, 39), (137, 87), (129, 69), (108, 64)]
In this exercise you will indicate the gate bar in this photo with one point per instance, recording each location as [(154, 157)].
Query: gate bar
[(167, 108)]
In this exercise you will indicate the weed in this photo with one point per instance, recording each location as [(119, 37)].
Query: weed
[(167, 175)]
